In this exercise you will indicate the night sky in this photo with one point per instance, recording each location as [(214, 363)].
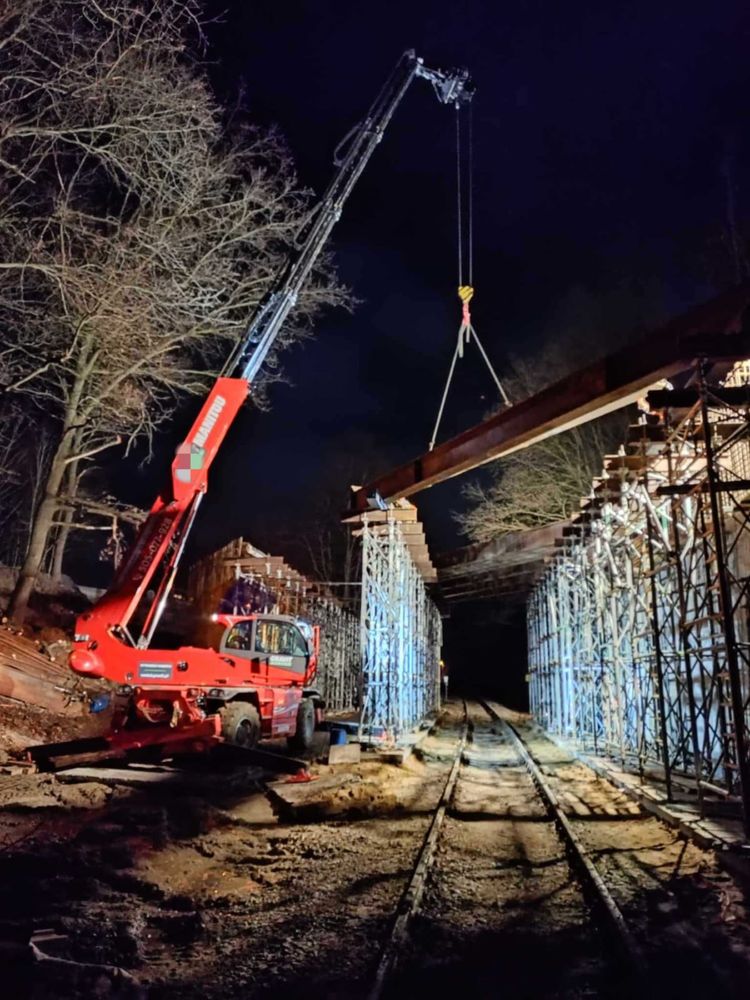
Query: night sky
[(601, 131)]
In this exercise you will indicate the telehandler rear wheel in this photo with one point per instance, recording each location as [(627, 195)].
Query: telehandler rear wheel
[(240, 724)]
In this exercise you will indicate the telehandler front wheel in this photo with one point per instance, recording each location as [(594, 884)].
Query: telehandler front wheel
[(302, 740)]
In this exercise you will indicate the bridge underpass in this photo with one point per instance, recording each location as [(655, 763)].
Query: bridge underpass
[(635, 610)]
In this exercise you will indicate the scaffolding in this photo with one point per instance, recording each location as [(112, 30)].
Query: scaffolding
[(240, 579), (401, 632), (639, 646), (339, 673), (379, 641)]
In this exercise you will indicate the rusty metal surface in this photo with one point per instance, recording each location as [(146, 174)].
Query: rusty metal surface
[(713, 330), (506, 567), (513, 549)]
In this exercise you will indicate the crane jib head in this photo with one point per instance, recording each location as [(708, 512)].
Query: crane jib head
[(451, 86)]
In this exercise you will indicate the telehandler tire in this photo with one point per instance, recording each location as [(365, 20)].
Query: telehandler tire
[(302, 740), (240, 724)]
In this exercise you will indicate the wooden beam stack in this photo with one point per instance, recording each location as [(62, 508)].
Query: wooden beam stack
[(26, 675), (412, 531)]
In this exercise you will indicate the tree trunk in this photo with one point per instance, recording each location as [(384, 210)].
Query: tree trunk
[(41, 527), (43, 518), (61, 540), (63, 532)]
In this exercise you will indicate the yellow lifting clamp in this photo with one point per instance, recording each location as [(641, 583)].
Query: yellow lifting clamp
[(466, 293)]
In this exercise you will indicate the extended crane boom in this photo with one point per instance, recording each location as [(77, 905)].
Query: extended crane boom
[(451, 88), (161, 541), (259, 680)]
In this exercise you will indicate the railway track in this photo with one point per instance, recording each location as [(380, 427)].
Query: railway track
[(593, 882), (412, 897), (438, 895), (454, 871)]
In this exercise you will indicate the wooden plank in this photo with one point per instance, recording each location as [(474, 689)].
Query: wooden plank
[(407, 514), (407, 528), (504, 575), (420, 554), (512, 595), (344, 753), (518, 585), (23, 686)]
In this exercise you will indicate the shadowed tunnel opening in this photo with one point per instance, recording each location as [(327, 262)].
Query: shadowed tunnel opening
[(485, 651)]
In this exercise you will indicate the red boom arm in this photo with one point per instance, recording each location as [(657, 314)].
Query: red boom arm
[(162, 537), (159, 540)]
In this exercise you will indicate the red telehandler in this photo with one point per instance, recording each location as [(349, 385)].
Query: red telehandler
[(259, 683)]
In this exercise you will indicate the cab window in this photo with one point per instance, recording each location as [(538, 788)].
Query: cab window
[(239, 636), (279, 638), (297, 640)]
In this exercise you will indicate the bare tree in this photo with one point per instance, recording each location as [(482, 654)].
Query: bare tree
[(331, 550), (25, 454), (135, 238), (539, 485), (321, 544)]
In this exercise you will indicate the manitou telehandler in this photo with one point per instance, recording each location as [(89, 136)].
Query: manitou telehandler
[(259, 682)]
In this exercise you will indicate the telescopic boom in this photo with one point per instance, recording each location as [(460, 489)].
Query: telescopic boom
[(160, 543)]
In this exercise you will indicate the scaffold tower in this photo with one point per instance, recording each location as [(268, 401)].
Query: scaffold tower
[(638, 631)]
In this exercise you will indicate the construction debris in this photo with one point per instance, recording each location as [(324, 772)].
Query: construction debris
[(27, 675)]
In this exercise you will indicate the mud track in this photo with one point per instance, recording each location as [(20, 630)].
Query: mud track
[(220, 887)]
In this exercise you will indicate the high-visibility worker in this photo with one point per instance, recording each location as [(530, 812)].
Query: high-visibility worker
[(444, 680)]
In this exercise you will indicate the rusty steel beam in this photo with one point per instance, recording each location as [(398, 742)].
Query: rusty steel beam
[(492, 577), (714, 330), (519, 591), (514, 549)]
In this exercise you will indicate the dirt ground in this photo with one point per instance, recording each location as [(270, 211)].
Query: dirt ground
[(692, 918), (199, 889), (173, 884), (24, 725)]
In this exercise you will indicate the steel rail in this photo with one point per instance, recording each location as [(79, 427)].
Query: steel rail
[(589, 875), (412, 897), (615, 919)]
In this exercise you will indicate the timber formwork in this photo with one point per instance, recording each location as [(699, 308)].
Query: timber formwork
[(639, 645), (283, 590), (380, 651), (401, 630)]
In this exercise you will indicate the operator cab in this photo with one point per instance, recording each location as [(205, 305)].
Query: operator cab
[(277, 641)]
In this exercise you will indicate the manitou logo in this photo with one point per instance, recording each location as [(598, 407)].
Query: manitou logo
[(209, 420), (191, 455)]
